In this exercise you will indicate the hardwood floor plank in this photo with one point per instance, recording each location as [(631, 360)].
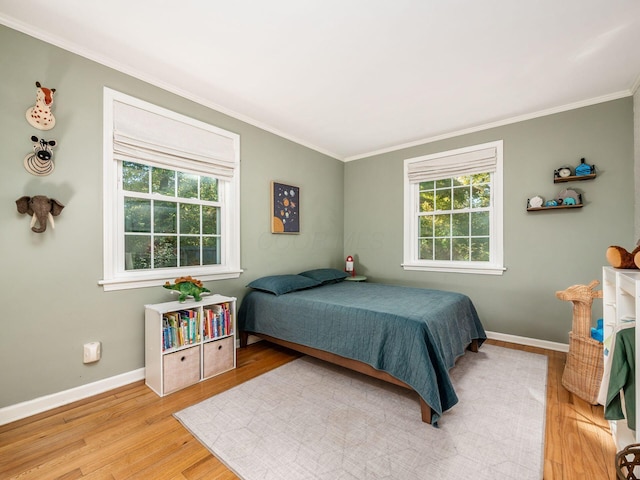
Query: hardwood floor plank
[(209, 468), (130, 432)]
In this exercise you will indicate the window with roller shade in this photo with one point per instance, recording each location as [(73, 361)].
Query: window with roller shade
[(171, 196), (453, 211)]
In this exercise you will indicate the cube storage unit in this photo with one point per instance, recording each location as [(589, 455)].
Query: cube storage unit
[(188, 342)]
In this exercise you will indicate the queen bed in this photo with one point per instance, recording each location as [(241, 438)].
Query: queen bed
[(407, 336)]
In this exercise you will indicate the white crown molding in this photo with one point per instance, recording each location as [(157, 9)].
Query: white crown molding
[(42, 404), (108, 62), (500, 123)]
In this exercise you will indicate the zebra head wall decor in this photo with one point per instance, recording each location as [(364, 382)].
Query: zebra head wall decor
[(40, 162)]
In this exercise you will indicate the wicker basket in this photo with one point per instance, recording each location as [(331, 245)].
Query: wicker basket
[(583, 370), (628, 462)]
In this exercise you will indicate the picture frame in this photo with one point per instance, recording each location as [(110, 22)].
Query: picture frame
[(285, 208)]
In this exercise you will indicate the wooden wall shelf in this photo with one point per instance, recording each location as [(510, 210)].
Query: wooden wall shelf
[(574, 178), (535, 209)]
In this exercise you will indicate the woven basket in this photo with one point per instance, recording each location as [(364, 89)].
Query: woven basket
[(583, 371)]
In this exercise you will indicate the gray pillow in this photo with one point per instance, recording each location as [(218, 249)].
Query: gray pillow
[(325, 275), (281, 284)]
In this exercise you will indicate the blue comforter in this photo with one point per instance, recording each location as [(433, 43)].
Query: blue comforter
[(413, 334)]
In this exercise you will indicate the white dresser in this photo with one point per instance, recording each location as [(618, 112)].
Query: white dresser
[(621, 305)]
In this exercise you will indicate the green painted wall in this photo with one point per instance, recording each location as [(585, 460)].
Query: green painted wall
[(51, 301), (544, 251)]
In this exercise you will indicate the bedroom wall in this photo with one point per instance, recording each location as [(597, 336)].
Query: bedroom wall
[(544, 251), (51, 301)]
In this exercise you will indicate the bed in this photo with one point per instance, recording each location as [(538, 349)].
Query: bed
[(407, 336)]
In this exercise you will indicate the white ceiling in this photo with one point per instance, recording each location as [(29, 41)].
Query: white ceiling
[(354, 77)]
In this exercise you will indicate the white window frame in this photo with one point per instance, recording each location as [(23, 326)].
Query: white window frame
[(115, 276), (411, 261)]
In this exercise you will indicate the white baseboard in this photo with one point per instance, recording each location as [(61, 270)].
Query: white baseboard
[(532, 342), (37, 405)]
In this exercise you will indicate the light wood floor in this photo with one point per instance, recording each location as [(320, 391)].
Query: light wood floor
[(130, 432)]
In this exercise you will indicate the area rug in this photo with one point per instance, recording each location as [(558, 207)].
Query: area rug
[(311, 420)]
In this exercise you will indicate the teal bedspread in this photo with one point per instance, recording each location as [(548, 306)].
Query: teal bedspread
[(413, 334)]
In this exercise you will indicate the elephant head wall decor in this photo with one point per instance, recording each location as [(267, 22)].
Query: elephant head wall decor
[(41, 208)]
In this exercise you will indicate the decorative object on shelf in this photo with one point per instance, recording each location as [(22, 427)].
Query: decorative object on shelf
[(40, 162), (187, 287), (549, 203), (585, 169), (619, 257), (40, 116), (536, 201), (285, 208), (585, 361), (563, 172), (568, 197), (41, 209)]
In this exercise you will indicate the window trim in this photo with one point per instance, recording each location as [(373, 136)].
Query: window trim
[(116, 278), (410, 243)]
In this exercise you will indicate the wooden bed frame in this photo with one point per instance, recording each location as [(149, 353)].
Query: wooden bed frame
[(361, 367)]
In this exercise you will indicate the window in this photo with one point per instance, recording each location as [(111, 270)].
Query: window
[(453, 211), (171, 196)]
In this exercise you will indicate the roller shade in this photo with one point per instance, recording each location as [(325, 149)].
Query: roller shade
[(468, 163), (150, 138)]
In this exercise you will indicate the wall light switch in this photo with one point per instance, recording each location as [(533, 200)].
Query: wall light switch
[(92, 352)]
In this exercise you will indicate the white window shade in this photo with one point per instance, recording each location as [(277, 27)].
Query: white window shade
[(147, 137), (436, 167)]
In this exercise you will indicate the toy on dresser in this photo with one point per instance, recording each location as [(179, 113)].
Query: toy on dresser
[(620, 257)]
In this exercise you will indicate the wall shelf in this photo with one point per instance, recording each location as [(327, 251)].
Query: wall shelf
[(535, 209), (579, 204), (574, 178)]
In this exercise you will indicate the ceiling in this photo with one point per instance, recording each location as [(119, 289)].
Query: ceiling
[(350, 78)]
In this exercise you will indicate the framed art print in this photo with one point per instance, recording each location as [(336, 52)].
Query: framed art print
[(285, 208)]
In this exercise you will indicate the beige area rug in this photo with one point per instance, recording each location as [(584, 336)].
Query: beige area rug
[(312, 420)]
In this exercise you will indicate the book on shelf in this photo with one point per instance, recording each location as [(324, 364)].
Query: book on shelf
[(180, 328), (217, 321), (186, 327)]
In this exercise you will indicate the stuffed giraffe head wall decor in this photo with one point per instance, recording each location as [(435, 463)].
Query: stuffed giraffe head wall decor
[(40, 116)]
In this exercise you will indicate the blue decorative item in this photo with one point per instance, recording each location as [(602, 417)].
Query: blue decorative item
[(551, 203), (584, 169), (597, 333), (569, 201)]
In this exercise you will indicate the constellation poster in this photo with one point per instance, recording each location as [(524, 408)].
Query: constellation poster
[(285, 208)]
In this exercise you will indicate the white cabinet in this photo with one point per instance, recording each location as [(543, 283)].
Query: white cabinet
[(621, 305), (188, 342)]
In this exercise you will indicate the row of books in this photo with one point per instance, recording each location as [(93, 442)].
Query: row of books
[(185, 327), (217, 321), (180, 328)]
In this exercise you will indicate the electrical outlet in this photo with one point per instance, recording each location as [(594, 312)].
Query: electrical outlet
[(92, 352)]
